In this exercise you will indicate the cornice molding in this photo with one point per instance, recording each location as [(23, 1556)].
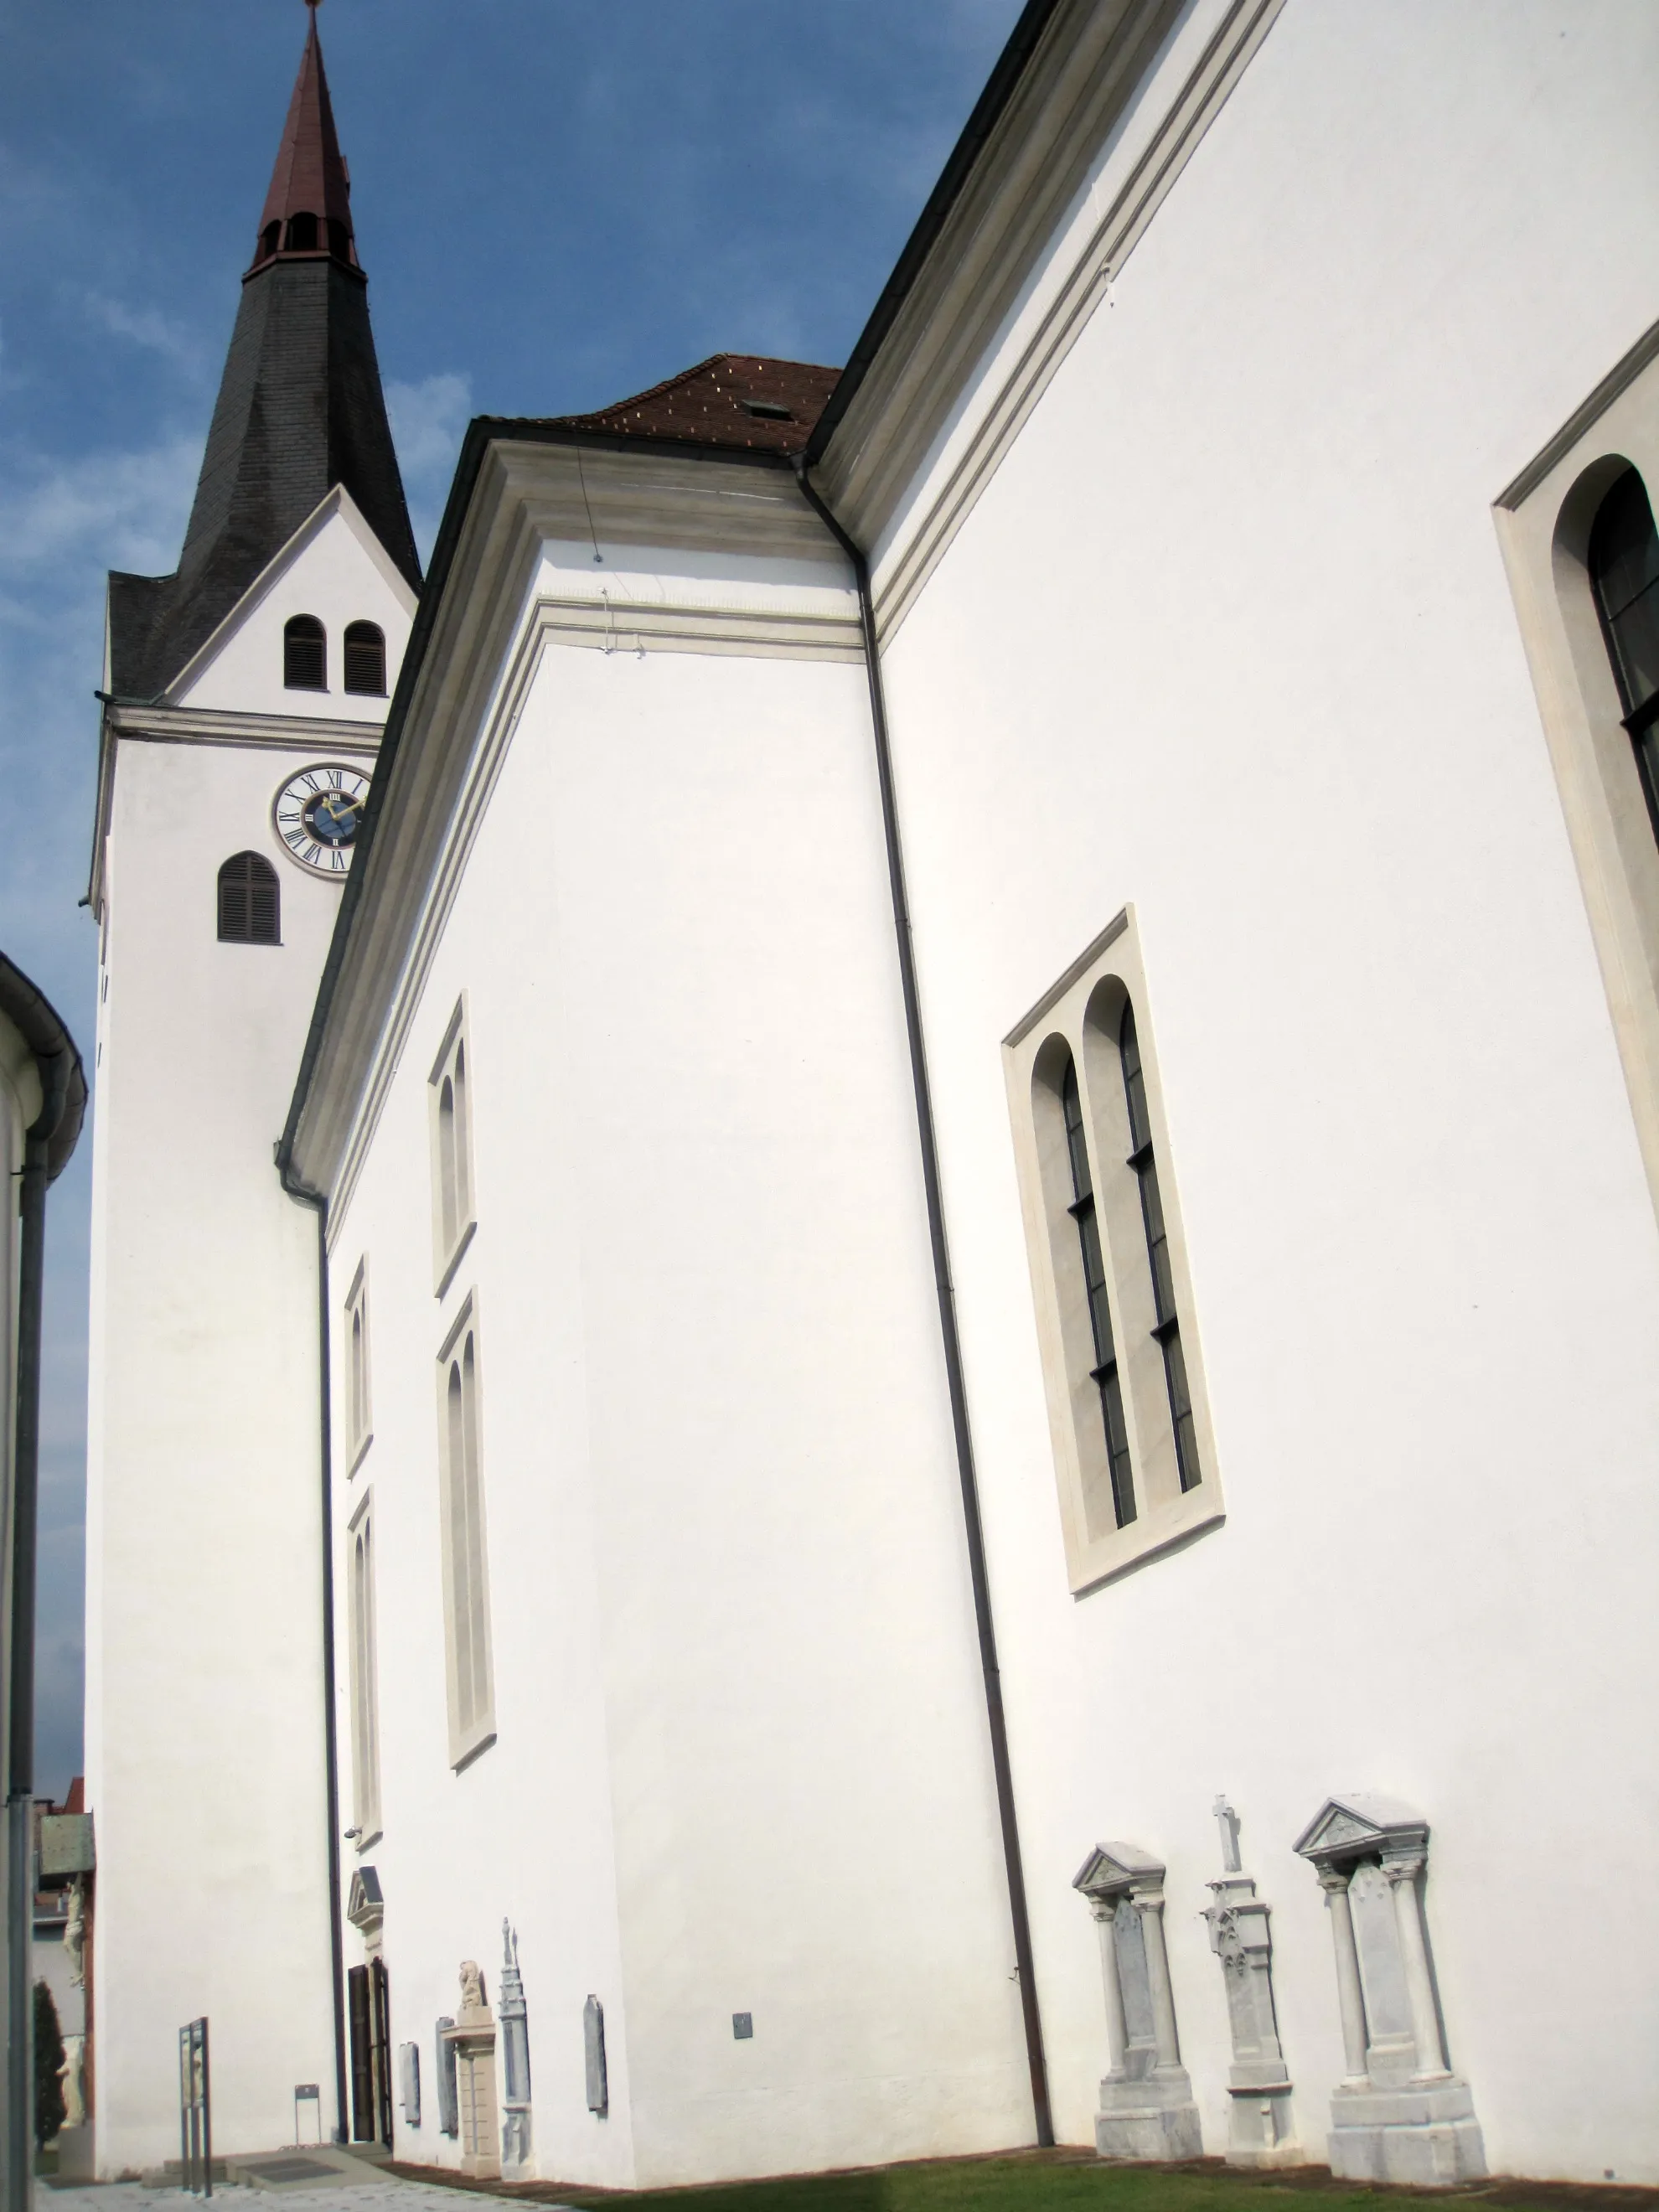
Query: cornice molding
[(638, 626), (1057, 990), (1073, 118), (153, 724), (1619, 379), (195, 725)]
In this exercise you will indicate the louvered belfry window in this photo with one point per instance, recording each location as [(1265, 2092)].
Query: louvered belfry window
[(304, 654), (250, 902), (365, 657)]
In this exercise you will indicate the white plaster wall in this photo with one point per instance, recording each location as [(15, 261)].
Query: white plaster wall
[(334, 569), (742, 1762), (204, 1703), (1229, 636)]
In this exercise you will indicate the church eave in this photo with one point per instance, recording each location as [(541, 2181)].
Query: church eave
[(301, 1160)]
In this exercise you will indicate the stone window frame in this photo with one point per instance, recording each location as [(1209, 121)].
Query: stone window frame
[(461, 1504), (1543, 521), (364, 1672), (449, 1100), (359, 1380), (1072, 1017)]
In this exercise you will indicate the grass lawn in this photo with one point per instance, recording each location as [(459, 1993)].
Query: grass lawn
[(1066, 2181)]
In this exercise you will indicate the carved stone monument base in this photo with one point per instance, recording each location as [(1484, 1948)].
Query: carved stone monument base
[(517, 2164), (1152, 2118), (1427, 2137), (76, 2160), (1260, 2131)]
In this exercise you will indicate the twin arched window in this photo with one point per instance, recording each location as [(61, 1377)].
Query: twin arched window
[(1106, 1373), (1624, 567), (305, 657), (250, 902)]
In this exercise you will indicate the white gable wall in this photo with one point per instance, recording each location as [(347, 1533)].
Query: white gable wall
[(333, 568), (1229, 637), (742, 1762)]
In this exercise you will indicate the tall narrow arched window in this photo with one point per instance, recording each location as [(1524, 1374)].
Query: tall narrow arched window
[(304, 654), (365, 657), (365, 1686), (466, 1574), (302, 233), (250, 903), (1105, 1370), (1624, 566), (449, 1195), (454, 1217), (1167, 1327)]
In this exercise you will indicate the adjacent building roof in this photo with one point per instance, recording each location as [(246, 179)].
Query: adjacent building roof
[(733, 400), (300, 411)]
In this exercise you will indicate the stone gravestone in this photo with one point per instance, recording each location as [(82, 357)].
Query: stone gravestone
[(1146, 2108)]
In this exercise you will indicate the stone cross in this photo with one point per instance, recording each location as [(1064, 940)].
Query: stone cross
[(1227, 1821)]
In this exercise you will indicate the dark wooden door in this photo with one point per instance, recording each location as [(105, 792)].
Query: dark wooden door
[(362, 2054), (380, 2027)]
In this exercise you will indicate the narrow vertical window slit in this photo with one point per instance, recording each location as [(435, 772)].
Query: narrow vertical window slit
[(1166, 1326), (1105, 1370)]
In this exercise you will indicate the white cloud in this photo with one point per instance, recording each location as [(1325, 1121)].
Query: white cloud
[(101, 511), (147, 327), (427, 422)]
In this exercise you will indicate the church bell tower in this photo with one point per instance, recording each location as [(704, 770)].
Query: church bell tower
[(244, 700)]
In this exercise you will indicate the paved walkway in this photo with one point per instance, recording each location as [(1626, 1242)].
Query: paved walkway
[(375, 2192)]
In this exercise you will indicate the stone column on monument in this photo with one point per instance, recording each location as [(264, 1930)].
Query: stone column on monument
[(1105, 1911), (1402, 1873), (1350, 1997), (1149, 1904)]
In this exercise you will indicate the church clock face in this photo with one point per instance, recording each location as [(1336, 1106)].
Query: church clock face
[(318, 813)]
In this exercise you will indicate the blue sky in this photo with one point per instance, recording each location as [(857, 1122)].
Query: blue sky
[(556, 203)]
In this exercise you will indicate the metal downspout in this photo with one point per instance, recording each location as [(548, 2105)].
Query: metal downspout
[(55, 1068), (319, 1204), (947, 1311)]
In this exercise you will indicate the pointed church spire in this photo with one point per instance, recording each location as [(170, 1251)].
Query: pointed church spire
[(300, 410), (308, 207)]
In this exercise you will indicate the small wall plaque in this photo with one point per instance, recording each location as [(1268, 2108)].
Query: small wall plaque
[(742, 2026)]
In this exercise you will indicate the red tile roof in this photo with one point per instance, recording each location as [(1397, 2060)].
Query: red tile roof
[(732, 399)]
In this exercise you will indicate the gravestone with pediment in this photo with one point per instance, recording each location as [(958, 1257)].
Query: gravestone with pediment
[(1399, 2114)]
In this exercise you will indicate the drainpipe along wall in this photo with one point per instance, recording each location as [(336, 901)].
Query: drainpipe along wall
[(318, 1203), (996, 1719)]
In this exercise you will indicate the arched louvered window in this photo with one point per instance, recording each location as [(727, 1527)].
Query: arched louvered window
[(270, 239), (250, 902), (339, 238), (365, 657), (1167, 1327), (304, 654), (1624, 565), (1105, 1372), (302, 233)]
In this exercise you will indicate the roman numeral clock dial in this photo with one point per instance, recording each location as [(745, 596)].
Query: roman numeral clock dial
[(318, 812)]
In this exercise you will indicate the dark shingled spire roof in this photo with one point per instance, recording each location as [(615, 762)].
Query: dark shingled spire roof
[(300, 411)]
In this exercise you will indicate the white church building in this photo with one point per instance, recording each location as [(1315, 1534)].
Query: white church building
[(876, 1289)]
